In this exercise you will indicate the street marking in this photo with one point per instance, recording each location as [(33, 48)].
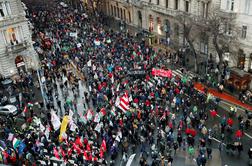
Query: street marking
[(248, 135), (217, 140)]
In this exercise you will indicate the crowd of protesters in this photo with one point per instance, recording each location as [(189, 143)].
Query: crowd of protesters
[(164, 115)]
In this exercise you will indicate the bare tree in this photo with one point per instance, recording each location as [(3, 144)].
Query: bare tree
[(224, 33), (191, 31)]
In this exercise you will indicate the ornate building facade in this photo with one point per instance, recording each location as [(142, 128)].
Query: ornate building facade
[(16, 50), (160, 18)]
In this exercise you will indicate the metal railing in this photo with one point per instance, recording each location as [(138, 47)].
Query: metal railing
[(17, 47)]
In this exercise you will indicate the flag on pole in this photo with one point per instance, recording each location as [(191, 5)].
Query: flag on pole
[(55, 121), (103, 145), (30, 104), (209, 97), (103, 112), (98, 128), (101, 153), (78, 142), (123, 103), (63, 127), (25, 109), (56, 153), (90, 114), (113, 111), (163, 116), (97, 118)]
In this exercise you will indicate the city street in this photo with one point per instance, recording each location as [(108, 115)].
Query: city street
[(101, 95)]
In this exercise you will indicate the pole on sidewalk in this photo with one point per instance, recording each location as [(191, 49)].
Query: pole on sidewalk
[(41, 89)]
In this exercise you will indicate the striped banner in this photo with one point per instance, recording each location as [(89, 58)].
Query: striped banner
[(123, 103)]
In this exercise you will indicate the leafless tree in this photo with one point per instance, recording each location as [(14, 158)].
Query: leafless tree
[(221, 27), (191, 31)]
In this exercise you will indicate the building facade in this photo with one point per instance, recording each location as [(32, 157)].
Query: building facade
[(160, 18), (16, 50), (243, 11)]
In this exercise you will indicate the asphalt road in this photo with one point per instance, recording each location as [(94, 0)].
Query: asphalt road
[(181, 157)]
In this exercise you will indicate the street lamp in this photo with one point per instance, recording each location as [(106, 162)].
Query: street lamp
[(167, 30)]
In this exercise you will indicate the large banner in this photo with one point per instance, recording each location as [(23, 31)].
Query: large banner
[(161, 73), (63, 126)]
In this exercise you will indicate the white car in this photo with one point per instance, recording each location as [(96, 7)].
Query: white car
[(8, 110)]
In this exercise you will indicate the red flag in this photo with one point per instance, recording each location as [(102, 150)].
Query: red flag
[(5, 154), (56, 153), (88, 147), (78, 142), (139, 115), (85, 155), (62, 152), (101, 153), (95, 159), (188, 131), (25, 109), (78, 150), (163, 116), (193, 132), (103, 111), (90, 157), (103, 145), (69, 152), (123, 103)]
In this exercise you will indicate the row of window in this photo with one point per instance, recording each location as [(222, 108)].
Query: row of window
[(5, 9), (166, 28), (245, 6), (12, 36), (120, 13), (204, 6)]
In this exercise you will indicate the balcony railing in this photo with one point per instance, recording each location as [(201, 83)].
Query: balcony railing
[(227, 14), (10, 20), (161, 9), (17, 47)]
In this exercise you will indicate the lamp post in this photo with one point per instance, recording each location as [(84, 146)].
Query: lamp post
[(167, 30)]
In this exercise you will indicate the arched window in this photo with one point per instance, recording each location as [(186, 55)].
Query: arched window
[(112, 10), (159, 28), (139, 14), (121, 13)]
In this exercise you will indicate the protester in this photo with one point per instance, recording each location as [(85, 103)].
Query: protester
[(128, 97)]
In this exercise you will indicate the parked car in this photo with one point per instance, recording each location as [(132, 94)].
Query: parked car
[(8, 110)]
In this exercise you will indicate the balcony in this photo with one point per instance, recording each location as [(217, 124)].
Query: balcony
[(10, 20), (161, 9), (228, 14), (17, 47)]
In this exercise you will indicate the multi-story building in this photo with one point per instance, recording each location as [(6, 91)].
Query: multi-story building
[(16, 50), (243, 11), (160, 18)]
